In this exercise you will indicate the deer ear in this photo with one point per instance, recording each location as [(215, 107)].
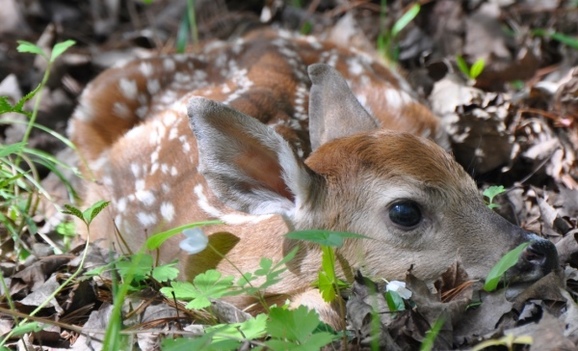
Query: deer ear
[(334, 111), (247, 165)]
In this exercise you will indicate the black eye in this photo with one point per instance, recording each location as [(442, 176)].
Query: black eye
[(405, 213)]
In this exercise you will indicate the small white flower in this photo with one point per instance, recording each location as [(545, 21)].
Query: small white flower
[(399, 287), (195, 241)]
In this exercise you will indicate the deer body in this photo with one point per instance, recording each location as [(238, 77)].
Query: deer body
[(254, 134)]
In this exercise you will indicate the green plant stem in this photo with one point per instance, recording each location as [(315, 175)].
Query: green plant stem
[(111, 340), (34, 114), (192, 21)]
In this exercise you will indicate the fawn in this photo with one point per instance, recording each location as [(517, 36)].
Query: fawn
[(265, 134)]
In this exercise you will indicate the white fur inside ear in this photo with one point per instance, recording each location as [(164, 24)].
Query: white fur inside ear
[(296, 177), (234, 151)]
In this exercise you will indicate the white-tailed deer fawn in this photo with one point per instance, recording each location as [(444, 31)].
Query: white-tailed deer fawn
[(170, 142)]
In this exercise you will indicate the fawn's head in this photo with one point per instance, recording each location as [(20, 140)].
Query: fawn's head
[(419, 208)]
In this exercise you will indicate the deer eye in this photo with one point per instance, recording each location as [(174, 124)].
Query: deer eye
[(405, 213)]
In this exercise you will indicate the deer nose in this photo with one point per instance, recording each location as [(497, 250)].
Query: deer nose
[(541, 254)]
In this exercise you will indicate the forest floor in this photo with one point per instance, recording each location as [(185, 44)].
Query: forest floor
[(500, 74)]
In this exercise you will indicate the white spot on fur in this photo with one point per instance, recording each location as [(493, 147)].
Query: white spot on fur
[(173, 133), (99, 162), (146, 68), (107, 181), (167, 211), (139, 185), (121, 205), (146, 219), (84, 112), (135, 169), (155, 156), (154, 168), (128, 88), (169, 118), (153, 86), (142, 111), (169, 64), (354, 67), (146, 197), (396, 99), (121, 110)]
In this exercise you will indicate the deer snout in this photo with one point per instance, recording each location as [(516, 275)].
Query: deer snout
[(536, 261), (541, 253)]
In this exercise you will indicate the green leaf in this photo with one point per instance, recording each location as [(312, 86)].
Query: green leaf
[(67, 229), (96, 271), (26, 46), (494, 190), (187, 344), (5, 106), (59, 48), (20, 104), (491, 193), (463, 66), (16, 148), (181, 291), (477, 68), (250, 329), (272, 273), (505, 263), (323, 237), (394, 301), (90, 213), (327, 278), (182, 34), (206, 286), (140, 265), (404, 20), (326, 287), (71, 210), (30, 327), (165, 272), (566, 40), (155, 241), (295, 327), (266, 264)]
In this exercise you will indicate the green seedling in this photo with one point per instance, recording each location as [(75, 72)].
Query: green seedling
[(491, 192), (187, 28), (329, 284), (471, 72), (387, 38)]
